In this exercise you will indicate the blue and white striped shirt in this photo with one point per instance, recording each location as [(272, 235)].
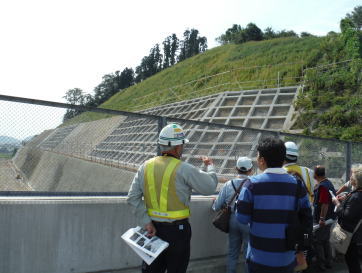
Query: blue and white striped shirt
[(266, 203)]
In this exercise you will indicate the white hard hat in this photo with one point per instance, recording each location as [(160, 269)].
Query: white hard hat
[(291, 148), (244, 164), (172, 135)]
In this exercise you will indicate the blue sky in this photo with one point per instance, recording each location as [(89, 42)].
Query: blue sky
[(50, 46)]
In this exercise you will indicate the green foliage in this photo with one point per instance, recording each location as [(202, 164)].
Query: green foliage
[(192, 44), (356, 17), (305, 34), (151, 64), (111, 84), (332, 102), (74, 96), (286, 33), (238, 35), (247, 66)]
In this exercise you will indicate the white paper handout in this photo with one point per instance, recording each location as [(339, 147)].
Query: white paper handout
[(328, 222), (147, 248)]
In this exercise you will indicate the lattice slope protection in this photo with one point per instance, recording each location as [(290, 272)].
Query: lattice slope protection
[(134, 140)]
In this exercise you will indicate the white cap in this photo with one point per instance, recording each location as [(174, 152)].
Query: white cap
[(244, 164), (172, 135), (291, 148)]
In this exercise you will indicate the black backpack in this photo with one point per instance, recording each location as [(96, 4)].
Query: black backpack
[(300, 230)]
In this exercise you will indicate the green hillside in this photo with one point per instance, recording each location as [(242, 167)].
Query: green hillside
[(224, 68), (325, 106), (235, 62)]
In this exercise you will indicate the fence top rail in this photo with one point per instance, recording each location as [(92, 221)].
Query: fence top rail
[(141, 115), (67, 194), (73, 106)]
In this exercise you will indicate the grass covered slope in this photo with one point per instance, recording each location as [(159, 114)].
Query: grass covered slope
[(224, 68), (329, 106), (231, 67)]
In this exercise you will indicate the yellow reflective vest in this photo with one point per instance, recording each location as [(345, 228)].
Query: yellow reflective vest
[(160, 189), (307, 176)]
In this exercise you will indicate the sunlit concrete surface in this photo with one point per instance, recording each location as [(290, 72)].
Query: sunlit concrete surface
[(83, 234), (52, 171), (60, 235), (10, 178)]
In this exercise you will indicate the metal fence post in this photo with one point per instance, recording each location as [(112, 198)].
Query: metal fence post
[(348, 158), (162, 122)]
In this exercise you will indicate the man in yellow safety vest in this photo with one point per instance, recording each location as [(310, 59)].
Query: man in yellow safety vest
[(291, 166), (160, 195)]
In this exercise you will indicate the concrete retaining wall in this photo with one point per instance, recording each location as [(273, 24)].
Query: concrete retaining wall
[(53, 171), (61, 235), (49, 171)]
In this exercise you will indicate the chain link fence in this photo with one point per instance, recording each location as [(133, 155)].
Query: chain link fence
[(39, 153)]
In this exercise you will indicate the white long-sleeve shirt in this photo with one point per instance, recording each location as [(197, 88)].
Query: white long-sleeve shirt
[(188, 178)]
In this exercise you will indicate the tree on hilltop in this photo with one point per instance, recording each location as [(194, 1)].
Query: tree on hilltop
[(253, 33), (269, 33), (230, 35), (175, 43), (74, 96), (150, 64), (238, 35), (305, 34), (192, 44), (170, 47), (356, 17), (166, 52), (286, 33)]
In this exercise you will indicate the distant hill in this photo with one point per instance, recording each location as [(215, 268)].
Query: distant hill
[(9, 140), (27, 139), (231, 67), (329, 105)]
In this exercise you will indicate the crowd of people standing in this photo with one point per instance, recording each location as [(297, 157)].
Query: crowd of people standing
[(262, 222)]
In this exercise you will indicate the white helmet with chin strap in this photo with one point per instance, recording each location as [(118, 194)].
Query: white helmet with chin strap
[(291, 149), (172, 135)]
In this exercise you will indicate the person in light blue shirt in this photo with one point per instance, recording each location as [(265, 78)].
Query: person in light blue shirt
[(238, 233)]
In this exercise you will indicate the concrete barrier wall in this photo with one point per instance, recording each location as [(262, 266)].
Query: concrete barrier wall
[(60, 235)]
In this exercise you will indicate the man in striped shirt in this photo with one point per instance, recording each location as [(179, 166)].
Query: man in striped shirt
[(267, 203)]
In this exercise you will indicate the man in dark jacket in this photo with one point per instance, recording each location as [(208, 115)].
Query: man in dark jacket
[(323, 210)]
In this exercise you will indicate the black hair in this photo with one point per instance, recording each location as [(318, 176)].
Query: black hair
[(320, 171), (273, 151), (241, 171), (291, 159)]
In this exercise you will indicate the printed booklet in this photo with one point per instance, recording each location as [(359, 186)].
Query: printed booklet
[(147, 248)]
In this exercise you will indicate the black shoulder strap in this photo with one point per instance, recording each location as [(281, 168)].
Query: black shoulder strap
[(237, 191), (241, 184), (232, 183)]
